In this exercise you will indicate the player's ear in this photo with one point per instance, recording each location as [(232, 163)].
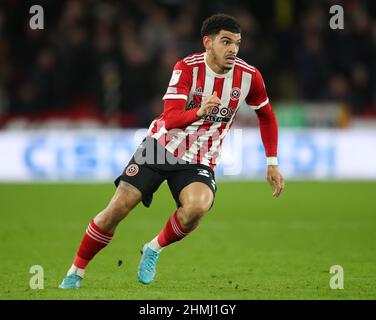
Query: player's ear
[(206, 41)]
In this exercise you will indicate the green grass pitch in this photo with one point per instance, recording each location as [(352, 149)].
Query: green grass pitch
[(249, 246)]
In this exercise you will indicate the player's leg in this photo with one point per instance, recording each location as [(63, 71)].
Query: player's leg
[(124, 200), (195, 199), (138, 182), (100, 231)]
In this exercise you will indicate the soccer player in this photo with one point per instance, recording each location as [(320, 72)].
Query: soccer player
[(183, 145)]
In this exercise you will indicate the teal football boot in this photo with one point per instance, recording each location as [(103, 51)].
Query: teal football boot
[(72, 281), (146, 268)]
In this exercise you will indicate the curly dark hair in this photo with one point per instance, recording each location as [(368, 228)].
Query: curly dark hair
[(217, 22)]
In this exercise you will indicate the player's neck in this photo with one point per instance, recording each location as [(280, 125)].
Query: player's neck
[(213, 66)]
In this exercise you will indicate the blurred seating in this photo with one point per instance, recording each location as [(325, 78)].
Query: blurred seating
[(107, 63)]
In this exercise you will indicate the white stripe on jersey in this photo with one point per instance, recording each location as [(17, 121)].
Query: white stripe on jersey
[(195, 56), (180, 135), (245, 86), (194, 82), (242, 62), (237, 63), (175, 142), (214, 131), (160, 132), (189, 63), (195, 62), (175, 96), (260, 105), (197, 145)]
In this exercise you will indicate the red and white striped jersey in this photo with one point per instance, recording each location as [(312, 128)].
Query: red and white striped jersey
[(192, 79)]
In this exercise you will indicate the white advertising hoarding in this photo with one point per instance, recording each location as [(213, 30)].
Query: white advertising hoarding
[(101, 155)]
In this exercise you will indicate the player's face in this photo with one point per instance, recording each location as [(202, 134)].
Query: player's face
[(224, 48)]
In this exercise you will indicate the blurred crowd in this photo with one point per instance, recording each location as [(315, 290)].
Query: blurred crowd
[(113, 59)]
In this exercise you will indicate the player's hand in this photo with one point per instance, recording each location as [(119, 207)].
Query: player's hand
[(276, 180), (207, 104)]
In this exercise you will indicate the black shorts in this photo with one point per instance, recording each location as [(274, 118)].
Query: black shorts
[(147, 176)]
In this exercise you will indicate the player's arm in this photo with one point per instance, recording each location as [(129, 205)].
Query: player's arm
[(175, 100), (269, 135), (258, 100)]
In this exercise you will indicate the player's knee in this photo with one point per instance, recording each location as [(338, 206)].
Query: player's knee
[(119, 209), (194, 211)]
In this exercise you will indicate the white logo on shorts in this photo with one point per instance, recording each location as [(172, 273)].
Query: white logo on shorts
[(203, 172)]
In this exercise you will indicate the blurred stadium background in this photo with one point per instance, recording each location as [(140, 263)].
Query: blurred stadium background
[(76, 97), (104, 65)]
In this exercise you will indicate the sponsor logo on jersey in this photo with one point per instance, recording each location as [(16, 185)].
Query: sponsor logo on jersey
[(172, 90), (235, 94), (224, 112), (132, 170), (220, 114), (190, 105), (216, 119)]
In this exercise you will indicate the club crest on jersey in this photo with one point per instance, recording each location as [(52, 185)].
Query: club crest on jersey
[(132, 170), (235, 94)]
